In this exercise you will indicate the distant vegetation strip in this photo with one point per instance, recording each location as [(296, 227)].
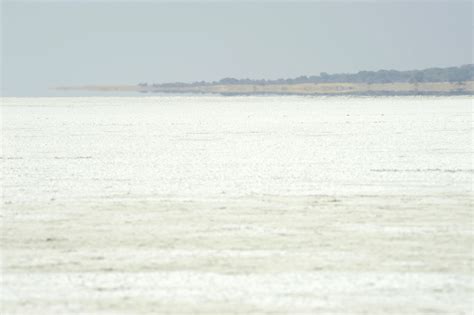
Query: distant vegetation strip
[(425, 88), (432, 81), (452, 74), (378, 89)]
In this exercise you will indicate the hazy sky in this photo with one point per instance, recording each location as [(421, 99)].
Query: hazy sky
[(47, 44)]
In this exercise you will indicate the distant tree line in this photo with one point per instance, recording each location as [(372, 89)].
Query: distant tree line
[(451, 74)]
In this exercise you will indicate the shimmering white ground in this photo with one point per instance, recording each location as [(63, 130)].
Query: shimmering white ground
[(217, 205)]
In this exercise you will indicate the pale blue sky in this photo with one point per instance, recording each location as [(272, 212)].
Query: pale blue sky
[(46, 44)]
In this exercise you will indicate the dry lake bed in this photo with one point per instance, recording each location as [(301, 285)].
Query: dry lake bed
[(237, 205)]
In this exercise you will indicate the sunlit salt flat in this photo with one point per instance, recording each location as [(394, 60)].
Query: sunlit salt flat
[(200, 204)]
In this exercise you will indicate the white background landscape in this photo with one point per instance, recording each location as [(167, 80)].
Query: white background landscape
[(237, 205)]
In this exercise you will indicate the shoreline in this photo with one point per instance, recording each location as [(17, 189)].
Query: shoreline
[(263, 95), (324, 89)]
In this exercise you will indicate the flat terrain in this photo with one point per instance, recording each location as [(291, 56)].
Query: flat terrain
[(237, 205), (441, 88), (268, 254)]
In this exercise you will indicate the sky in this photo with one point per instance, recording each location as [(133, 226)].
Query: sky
[(65, 43)]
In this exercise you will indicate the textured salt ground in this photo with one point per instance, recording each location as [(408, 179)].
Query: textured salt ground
[(284, 255), (239, 205)]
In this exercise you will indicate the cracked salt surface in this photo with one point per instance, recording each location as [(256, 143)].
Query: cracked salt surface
[(237, 205)]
